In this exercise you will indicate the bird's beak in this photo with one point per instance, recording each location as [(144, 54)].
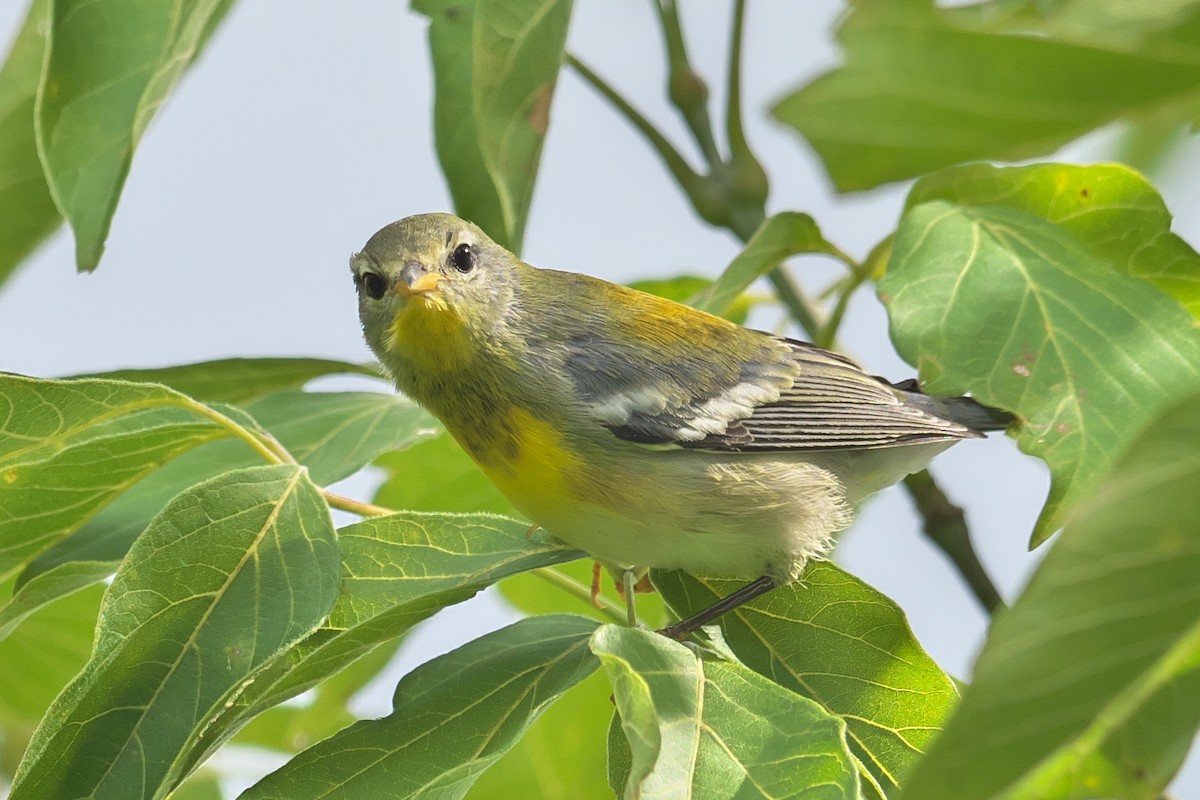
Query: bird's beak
[(415, 280)]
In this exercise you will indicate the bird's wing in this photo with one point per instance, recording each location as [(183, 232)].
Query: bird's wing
[(787, 396)]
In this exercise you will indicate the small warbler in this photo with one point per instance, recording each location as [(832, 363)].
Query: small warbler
[(640, 430)]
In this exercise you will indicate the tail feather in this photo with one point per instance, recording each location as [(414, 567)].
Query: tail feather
[(963, 410)]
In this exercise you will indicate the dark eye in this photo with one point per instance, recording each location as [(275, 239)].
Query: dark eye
[(463, 258), (373, 284)]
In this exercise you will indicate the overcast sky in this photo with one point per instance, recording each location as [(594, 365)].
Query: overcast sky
[(306, 126)]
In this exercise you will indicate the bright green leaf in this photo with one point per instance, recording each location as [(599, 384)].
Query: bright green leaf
[(918, 91), (397, 571), (454, 716), (438, 475), (1011, 308), (238, 380), (1107, 624), (562, 755), (715, 729), (1110, 209), (230, 574), (332, 433), (495, 66), (63, 580), (537, 594), (69, 447), (29, 213), (41, 656), (111, 65), (834, 639), (779, 237)]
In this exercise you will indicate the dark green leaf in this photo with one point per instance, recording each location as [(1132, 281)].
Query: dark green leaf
[(29, 213), (832, 638), (111, 65), (1011, 308), (453, 718), (69, 447), (229, 576), (1107, 628), (919, 91), (779, 237), (238, 380), (715, 729), (1109, 209), (495, 65)]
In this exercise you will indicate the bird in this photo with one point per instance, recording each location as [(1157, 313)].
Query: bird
[(645, 432)]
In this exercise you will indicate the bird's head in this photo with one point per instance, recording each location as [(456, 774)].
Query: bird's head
[(433, 290)]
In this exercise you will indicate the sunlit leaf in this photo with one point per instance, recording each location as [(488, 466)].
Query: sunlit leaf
[(1106, 629), (1013, 309), (231, 574), (334, 434), (834, 639), (63, 580), (1109, 209), (779, 237), (495, 64), (29, 213), (238, 380), (921, 89), (454, 716), (715, 729), (69, 447)]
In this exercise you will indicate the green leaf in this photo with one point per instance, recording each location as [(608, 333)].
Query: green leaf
[(63, 580), (238, 380), (231, 574), (29, 213), (1111, 210), (454, 716), (397, 571), (777, 238), (110, 66), (919, 91), (835, 640), (561, 755), (715, 729), (438, 475), (332, 433), (42, 655), (69, 447), (292, 727), (1011, 308), (1107, 625), (495, 64)]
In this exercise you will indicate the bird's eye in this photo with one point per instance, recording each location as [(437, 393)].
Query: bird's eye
[(373, 284), (463, 258)]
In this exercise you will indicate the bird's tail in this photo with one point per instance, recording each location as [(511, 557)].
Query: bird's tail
[(963, 410)]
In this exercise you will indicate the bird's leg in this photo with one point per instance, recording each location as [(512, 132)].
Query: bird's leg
[(630, 578), (596, 567), (751, 590)]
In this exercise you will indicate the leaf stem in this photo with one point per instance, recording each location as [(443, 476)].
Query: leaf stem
[(270, 450), (571, 586), (685, 88), (675, 162), (733, 100), (354, 506), (946, 525)]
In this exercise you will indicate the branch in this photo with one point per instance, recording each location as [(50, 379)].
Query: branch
[(946, 526)]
